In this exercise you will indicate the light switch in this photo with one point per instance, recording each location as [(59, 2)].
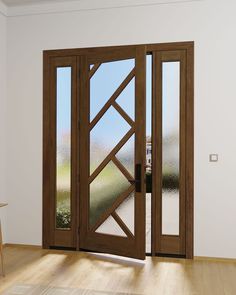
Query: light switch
[(213, 157)]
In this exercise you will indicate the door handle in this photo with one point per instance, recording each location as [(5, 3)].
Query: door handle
[(138, 178)]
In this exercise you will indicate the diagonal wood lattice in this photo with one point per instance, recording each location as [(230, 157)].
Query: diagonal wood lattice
[(112, 155)]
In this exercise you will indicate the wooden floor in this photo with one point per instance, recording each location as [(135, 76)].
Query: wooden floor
[(99, 272)]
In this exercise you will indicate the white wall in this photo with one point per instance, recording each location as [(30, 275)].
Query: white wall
[(211, 24), (3, 76)]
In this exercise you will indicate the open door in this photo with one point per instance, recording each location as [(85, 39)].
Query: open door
[(95, 149), (112, 151)]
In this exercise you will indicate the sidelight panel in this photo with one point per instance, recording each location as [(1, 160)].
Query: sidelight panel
[(170, 147), (63, 148)]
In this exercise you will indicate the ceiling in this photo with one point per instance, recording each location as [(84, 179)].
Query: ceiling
[(27, 2)]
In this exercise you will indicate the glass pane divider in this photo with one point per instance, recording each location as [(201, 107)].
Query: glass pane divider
[(123, 113), (121, 223), (122, 169)]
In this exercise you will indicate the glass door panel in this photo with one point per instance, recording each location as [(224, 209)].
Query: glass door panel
[(114, 217), (111, 181)]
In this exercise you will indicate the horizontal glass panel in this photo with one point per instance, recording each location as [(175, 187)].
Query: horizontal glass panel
[(170, 147), (63, 153)]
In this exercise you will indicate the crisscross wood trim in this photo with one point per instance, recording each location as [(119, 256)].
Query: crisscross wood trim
[(111, 155), (112, 98), (123, 113), (123, 226), (112, 208), (94, 70), (122, 169)]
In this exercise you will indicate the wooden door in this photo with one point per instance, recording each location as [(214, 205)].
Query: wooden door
[(100, 131), (112, 151)]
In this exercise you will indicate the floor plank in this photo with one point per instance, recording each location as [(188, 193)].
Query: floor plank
[(109, 273)]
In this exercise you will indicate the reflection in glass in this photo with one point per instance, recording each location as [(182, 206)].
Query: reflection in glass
[(105, 189), (111, 227), (170, 147), (63, 124), (106, 80)]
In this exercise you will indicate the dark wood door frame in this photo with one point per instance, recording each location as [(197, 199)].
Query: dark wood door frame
[(164, 244), (70, 57), (51, 235)]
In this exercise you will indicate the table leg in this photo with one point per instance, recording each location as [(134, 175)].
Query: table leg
[(1, 249)]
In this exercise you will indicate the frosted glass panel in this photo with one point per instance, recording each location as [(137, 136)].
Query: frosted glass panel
[(126, 212), (111, 183), (106, 80), (63, 124), (170, 154), (106, 134), (126, 155), (111, 227), (105, 189)]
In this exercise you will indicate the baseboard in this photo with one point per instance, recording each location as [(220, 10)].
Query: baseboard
[(9, 245), (214, 259)]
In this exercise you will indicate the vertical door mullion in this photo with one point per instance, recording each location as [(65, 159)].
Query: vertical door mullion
[(189, 152), (74, 150), (84, 111), (140, 146), (156, 153), (182, 212)]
